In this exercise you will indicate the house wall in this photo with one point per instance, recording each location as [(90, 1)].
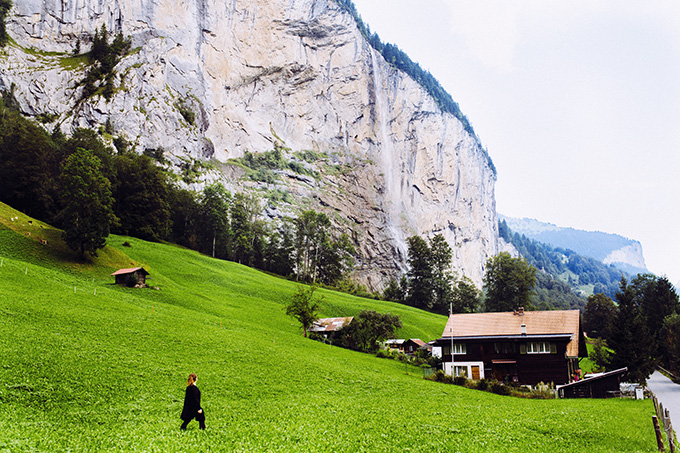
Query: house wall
[(528, 368)]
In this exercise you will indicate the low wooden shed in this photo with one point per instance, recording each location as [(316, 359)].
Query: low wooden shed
[(604, 385), (132, 277)]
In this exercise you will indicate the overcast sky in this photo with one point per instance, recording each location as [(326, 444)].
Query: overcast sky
[(577, 102)]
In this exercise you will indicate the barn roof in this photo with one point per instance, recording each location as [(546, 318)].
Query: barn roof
[(130, 271), (330, 324), (507, 324), (588, 379)]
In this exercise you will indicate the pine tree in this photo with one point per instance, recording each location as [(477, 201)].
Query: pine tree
[(420, 288), (630, 337)]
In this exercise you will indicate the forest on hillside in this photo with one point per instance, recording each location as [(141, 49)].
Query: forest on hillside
[(566, 266)]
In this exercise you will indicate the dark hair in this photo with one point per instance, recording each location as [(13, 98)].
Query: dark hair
[(192, 379)]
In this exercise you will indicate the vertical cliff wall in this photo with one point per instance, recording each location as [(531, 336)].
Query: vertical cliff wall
[(293, 72)]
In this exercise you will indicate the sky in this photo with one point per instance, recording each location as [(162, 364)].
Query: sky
[(578, 104)]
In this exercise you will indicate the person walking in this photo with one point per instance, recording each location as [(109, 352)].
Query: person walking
[(192, 404)]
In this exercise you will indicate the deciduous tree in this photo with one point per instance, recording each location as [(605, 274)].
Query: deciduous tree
[(508, 283), (87, 215), (599, 315), (304, 307), (367, 329)]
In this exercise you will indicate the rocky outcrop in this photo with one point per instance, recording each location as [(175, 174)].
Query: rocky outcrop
[(295, 73)]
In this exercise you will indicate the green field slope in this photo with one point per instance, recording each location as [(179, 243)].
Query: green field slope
[(89, 366)]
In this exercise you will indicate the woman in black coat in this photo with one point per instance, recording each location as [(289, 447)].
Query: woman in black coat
[(192, 404)]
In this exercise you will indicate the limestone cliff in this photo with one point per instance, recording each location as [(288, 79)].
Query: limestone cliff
[(295, 73)]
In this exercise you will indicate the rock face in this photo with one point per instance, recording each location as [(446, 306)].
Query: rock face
[(292, 73)]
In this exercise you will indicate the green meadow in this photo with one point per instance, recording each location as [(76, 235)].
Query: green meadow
[(89, 366)]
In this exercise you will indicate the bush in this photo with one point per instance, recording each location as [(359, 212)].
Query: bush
[(483, 385), (440, 376), (499, 389), (460, 380), (383, 354)]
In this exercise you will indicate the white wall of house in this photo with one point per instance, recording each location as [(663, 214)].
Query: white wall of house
[(464, 368), (436, 351)]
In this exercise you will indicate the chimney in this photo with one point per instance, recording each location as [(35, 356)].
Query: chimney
[(520, 311), (524, 329)]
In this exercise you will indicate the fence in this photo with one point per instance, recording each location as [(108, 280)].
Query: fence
[(665, 416)]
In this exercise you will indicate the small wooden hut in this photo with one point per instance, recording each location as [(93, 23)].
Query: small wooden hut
[(133, 277), (603, 385)]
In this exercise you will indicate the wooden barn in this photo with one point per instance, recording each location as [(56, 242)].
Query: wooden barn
[(524, 347), (133, 277), (411, 345), (602, 385)]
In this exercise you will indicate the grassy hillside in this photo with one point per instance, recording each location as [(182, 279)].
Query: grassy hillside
[(89, 366)]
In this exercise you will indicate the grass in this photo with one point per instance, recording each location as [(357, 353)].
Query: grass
[(87, 365)]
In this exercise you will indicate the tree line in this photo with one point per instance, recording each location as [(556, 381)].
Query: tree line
[(556, 261), (88, 189), (641, 326), (5, 6), (430, 284)]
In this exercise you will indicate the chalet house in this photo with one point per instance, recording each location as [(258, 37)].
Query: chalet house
[(412, 345), (525, 347), (133, 277)]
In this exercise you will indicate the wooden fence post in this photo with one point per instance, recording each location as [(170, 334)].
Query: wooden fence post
[(669, 432), (657, 430)]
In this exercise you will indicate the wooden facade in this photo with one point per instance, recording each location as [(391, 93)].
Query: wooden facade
[(511, 358), (527, 348), (133, 277), (412, 345), (605, 385)]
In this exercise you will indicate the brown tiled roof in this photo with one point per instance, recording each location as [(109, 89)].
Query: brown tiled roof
[(330, 324), (418, 341), (128, 271), (510, 323)]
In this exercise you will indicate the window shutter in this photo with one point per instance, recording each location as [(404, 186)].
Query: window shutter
[(553, 348), (522, 348)]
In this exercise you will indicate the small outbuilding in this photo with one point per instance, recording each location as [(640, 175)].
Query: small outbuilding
[(133, 277), (601, 385), (328, 325), (411, 345)]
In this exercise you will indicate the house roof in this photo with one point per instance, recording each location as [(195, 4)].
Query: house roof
[(506, 324), (129, 271), (417, 341), (330, 324)]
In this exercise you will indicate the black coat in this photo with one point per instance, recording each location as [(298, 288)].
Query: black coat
[(192, 404)]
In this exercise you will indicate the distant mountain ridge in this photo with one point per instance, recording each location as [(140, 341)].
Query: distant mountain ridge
[(623, 253)]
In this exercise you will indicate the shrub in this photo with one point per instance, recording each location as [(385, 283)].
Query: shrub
[(460, 380), (482, 384), (382, 354), (186, 112), (499, 389)]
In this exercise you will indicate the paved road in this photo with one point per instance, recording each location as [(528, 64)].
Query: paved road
[(668, 393)]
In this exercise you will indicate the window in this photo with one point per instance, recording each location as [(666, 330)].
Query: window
[(541, 347), (460, 371), (459, 348)]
